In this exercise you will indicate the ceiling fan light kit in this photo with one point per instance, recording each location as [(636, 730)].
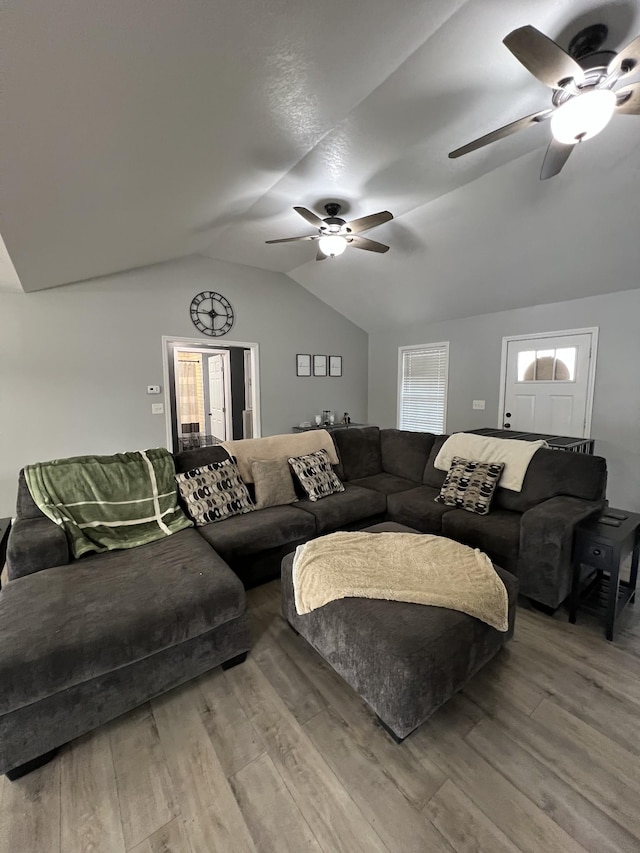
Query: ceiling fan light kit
[(583, 116), (583, 80), (332, 245)]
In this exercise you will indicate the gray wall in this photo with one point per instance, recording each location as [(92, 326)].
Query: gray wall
[(75, 361), (474, 373)]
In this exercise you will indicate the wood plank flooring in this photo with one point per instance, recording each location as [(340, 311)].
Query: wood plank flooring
[(540, 753)]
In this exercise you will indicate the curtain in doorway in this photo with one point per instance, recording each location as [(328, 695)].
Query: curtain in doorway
[(190, 389)]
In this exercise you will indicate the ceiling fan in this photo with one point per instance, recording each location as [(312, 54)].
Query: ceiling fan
[(335, 234), (582, 79)]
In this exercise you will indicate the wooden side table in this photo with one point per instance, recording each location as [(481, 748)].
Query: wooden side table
[(5, 527), (604, 547)]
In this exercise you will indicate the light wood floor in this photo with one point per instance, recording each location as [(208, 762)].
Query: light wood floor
[(540, 753)]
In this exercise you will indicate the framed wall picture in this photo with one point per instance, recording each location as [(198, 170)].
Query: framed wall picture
[(303, 364), (335, 365), (319, 365)]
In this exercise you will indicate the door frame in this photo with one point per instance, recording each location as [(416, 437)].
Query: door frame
[(591, 378), (199, 343)]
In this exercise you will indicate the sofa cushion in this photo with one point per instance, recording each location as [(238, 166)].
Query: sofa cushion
[(315, 475), (349, 507), (470, 485), (104, 611), (259, 531), (552, 473), (432, 476), (359, 451), (405, 453), (272, 483), (498, 534), (418, 508), (213, 492), (388, 484)]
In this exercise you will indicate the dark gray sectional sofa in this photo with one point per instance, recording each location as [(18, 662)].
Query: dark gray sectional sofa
[(82, 641)]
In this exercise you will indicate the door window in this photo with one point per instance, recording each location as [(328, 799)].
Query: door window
[(547, 365)]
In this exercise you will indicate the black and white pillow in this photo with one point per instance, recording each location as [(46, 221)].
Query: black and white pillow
[(214, 492), (315, 474), (470, 485)]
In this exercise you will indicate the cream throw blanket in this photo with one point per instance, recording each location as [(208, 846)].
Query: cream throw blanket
[(279, 447), (413, 567), (516, 455)]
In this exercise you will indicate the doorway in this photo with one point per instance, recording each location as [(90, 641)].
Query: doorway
[(547, 382), (211, 391)]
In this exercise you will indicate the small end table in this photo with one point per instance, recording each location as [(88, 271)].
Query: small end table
[(603, 546), (5, 527)]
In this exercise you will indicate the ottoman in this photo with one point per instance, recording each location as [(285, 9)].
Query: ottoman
[(404, 660)]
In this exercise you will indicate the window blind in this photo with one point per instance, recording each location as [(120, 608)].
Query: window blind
[(423, 387)]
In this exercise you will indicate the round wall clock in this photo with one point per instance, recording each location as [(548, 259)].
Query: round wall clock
[(211, 313)]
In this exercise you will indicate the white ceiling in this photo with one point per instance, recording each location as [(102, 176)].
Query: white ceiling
[(140, 130)]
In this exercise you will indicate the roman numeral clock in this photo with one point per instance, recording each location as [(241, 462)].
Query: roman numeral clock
[(211, 313)]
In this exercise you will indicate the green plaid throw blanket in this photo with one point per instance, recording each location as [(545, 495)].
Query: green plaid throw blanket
[(109, 502)]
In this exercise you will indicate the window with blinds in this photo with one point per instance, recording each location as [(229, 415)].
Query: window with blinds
[(422, 392)]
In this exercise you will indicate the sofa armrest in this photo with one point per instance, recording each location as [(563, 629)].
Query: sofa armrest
[(35, 544), (546, 543)]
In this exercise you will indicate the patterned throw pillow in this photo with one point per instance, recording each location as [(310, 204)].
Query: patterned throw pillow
[(470, 485), (316, 475), (214, 492)]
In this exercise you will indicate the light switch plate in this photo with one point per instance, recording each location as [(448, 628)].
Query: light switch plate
[(153, 389), (157, 408), (478, 404)]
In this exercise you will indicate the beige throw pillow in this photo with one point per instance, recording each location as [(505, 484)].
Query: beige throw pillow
[(273, 482)]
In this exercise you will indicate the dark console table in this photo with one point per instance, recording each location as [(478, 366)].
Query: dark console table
[(603, 546), (555, 442), (330, 427)]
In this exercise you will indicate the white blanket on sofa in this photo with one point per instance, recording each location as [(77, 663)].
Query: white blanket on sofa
[(279, 447), (421, 569), (516, 455)]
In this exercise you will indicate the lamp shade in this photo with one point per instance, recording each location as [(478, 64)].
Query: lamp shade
[(583, 116), (332, 245)]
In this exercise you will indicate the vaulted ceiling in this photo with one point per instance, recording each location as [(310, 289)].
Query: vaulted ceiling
[(135, 131)]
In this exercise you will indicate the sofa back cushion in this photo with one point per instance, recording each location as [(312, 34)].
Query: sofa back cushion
[(557, 472), (187, 460), (405, 453), (432, 476), (26, 506), (359, 452)]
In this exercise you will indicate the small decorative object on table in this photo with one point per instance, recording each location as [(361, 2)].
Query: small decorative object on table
[(346, 420), (603, 544)]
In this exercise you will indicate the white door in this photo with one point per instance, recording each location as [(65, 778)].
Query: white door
[(217, 407), (548, 384)]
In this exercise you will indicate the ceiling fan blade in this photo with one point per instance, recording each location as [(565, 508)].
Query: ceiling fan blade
[(356, 226), (543, 58), (629, 100), (321, 256), (626, 62), (294, 239), (369, 245), (311, 217), (501, 132), (555, 158)]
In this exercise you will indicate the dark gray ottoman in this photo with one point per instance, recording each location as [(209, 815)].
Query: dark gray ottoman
[(404, 660)]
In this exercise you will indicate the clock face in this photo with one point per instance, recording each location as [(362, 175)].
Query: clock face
[(211, 313)]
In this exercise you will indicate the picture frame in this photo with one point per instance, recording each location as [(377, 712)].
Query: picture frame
[(335, 365), (320, 365), (303, 364)]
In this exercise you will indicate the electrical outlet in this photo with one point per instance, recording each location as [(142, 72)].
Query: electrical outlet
[(153, 389), (478, 404), (157, 408)]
